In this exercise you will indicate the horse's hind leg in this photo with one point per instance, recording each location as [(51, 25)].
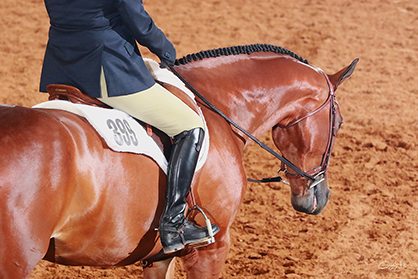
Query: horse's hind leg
[(161, 270), (23, 240), (18, 256)]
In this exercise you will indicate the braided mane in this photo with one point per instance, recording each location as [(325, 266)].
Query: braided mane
[(235, 50)]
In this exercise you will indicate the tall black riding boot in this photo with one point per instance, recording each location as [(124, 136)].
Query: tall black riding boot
[(175, 230)]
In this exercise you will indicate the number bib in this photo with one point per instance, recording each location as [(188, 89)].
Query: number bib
[(123, 134)]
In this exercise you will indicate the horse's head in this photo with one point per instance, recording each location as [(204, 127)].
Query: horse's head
[(307, 143)]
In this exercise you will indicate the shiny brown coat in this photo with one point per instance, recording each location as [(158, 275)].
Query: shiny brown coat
[(65, 196)]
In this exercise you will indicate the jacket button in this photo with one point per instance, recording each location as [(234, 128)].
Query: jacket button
[(167, 55)]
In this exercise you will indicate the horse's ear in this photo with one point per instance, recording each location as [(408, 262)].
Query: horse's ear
[(337, 78)]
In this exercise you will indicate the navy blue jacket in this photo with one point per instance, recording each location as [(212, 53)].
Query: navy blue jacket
[(86, 35)]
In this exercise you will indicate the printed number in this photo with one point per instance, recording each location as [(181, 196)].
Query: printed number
[(131, 132), (122, 132)]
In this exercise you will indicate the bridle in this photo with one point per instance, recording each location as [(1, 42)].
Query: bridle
[(316, 175)]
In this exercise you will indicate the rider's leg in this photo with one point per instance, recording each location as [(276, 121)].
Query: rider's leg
[(160, 108), (182, 164), (157, 107)]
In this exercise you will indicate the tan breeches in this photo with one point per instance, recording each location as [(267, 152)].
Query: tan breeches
[(157, 107)]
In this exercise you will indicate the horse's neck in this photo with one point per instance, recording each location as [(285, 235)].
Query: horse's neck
[(256, 92)]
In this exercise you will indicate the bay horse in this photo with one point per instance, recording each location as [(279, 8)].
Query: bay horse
[(67, 198)]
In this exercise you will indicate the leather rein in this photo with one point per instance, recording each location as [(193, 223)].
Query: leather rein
[(316, 175)]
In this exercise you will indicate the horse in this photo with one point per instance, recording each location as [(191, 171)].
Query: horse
[(67, 198)]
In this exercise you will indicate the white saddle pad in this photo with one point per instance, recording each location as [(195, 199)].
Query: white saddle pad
[(121, 132)]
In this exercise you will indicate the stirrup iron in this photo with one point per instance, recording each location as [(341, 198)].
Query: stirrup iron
[(208, 226)]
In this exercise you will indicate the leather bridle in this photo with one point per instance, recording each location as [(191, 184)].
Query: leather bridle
[(316, 175)]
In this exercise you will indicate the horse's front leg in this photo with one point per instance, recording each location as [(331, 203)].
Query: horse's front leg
[(207, 262), (161, 270)]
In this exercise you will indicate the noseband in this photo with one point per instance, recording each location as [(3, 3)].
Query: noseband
[(316, 175)]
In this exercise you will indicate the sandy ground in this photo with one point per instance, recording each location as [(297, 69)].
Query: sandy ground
[(369, 228)]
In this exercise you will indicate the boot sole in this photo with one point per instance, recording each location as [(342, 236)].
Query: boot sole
[(194, 244), (204, 241)]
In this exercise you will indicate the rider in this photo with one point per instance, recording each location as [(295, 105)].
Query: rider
[(92, 46)]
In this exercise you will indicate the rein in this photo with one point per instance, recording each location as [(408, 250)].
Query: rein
[(314, 176)]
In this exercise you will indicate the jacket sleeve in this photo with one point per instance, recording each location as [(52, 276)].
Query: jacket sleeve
[(144, 30)]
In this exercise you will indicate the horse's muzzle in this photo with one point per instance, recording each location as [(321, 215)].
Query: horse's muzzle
[(314, 201)]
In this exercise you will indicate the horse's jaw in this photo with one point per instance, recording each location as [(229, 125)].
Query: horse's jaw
[(313, 201)]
